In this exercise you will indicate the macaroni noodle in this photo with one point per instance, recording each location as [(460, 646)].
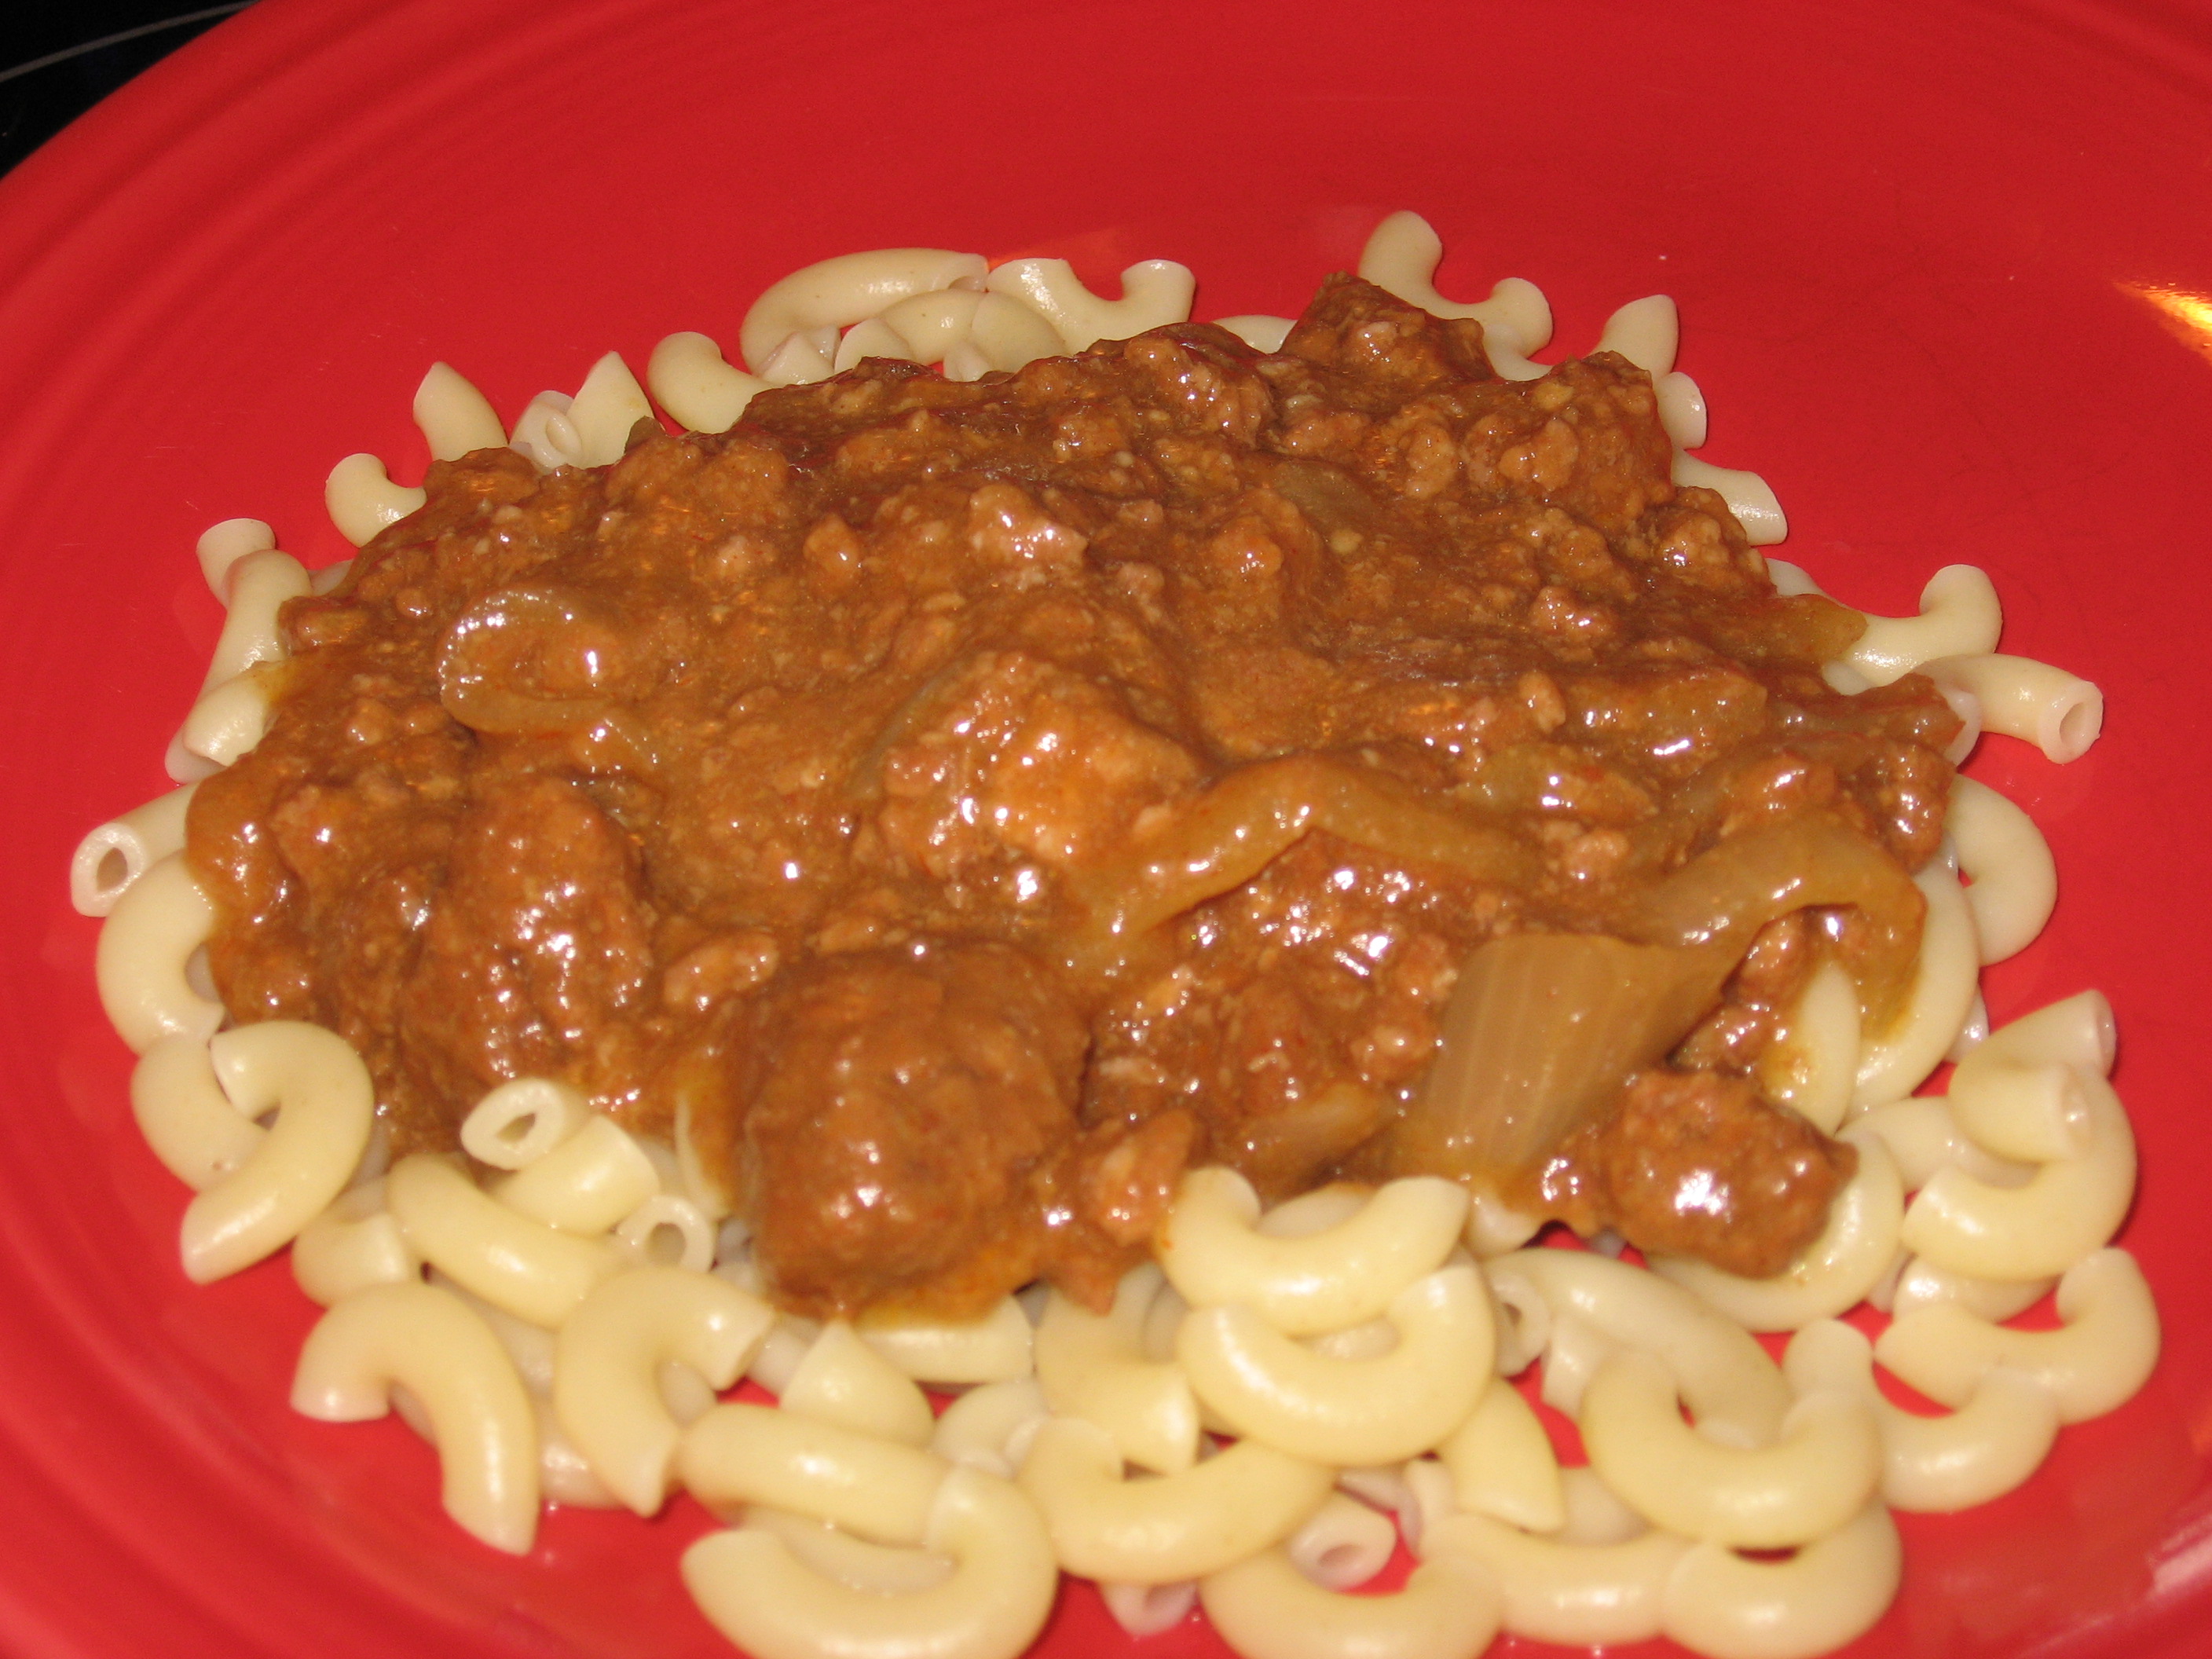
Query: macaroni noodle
[(424, 1339), (588, 1302), (1266, 1608), (608, 1355), (762, 1597), (324, 1102)]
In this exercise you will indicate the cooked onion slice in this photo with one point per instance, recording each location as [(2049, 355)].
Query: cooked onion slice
[(541, 660), (1726, 894), (1541, 1031), (1221, 839)]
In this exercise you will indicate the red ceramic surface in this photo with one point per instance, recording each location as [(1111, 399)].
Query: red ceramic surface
[(1935, 262)]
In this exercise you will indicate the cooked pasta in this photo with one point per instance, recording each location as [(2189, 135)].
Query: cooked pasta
[(116, 853), (1095, 1367), (425, 1339), (991, 1606), (1255, 1414), (842, 1380), (606, 1388), (323, 1103), (1502, 1463), (1555, 1589)]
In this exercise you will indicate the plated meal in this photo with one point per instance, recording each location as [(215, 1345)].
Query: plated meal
[(1123, 872)]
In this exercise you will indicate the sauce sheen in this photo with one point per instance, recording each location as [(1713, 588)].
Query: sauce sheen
[(964, 807)]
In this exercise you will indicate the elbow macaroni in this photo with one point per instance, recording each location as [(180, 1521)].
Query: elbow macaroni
[(1981, 1451), (1344, 1544), (1944, 985), (1959, 617), (1402, 257), (426, 1341), (837, 292), (519, 1122), (746, 1453), (1349, 1412), (593, 428), (992, 1349), (355, 1244), (118, 852), (1159, 1529), (669, 1231), (229, 721), (2013, 884), (1153, 293), (2070, 1205), (1213, 1254), (585, 1183), (524, 1266), (573, 1341), (2061, 714), (453, 417), (2098, 1358), (1095, 1367), (324, 1102), (609, 1352), (1818, 1473), (146, 945), (1922, 1284), (187, 1118), (692, 381), (887, 1569), (842, 1380), (1502, 1463), (990, 1427), (991, 1606), (1553, 1590), (1266, 1608), (221, 545), (362, 500), (255, 585), (1732, 1389), (1719, 1603), (1812, 1066)]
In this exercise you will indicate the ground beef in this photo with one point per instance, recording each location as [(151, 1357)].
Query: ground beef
[(963, 805), (1695, 1164)]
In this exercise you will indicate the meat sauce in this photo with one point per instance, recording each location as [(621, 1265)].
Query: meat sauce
[(958, 808)]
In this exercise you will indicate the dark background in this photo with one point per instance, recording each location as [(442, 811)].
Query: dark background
[(38, 99)]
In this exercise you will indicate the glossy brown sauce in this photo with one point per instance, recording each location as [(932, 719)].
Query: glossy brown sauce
[(966, 805)]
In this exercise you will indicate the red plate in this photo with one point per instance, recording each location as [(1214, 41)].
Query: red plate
[(1936, 261)]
